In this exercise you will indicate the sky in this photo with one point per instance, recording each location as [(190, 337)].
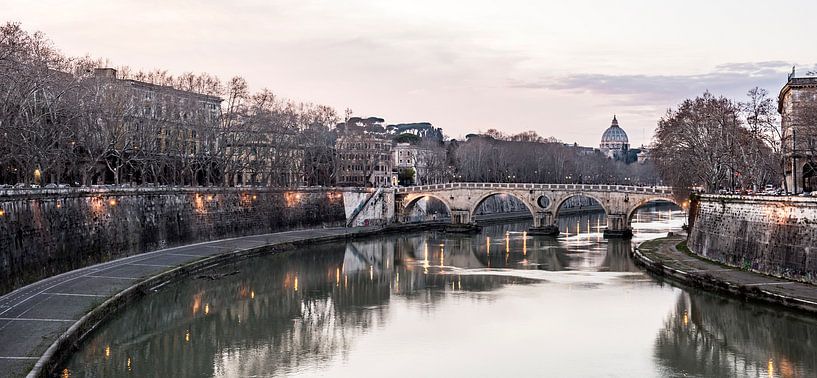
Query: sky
[(560, 68)]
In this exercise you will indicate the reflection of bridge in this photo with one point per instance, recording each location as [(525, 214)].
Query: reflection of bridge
[(543, 200)]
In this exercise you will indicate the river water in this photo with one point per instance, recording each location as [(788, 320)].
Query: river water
[(500, 303)]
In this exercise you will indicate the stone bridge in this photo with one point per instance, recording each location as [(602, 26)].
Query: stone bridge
[(543, 200)]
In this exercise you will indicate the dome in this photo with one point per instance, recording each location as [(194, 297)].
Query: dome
[(614, 137)]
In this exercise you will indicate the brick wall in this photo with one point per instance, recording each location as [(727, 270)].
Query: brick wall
[(771, 235), (46, 232)]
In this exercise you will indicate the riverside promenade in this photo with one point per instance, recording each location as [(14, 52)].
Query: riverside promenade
[(663, 257), (41, 321)]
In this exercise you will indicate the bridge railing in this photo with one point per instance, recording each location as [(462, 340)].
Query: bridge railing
[(532, 186)]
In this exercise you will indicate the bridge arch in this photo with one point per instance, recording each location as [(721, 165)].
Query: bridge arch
[(563, 199), (631, 211), (478, 202), (411, 200)]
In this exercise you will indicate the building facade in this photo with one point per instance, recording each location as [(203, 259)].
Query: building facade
[(363, 153), (797, 105), (159, 126)]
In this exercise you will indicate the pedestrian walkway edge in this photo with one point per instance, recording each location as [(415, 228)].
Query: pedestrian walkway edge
[(705, 280), (72, 338)]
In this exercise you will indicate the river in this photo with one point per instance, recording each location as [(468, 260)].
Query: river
[(500, 303)]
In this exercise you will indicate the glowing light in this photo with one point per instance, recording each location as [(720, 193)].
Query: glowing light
[(488, 245), (254, 197), (252, 294), (686, 319), (210, 198), (525, 243), (296, 283), (196, 303), (771, 368), (371, 272), (187, 336), (206, 308), (112, 202), (337, 276), (129, 364), (107, 351), (66, 373), (507, 243), (345, 280), (2, 213), (425, 258)]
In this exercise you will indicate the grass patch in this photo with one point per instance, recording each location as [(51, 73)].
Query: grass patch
[(682, 246)]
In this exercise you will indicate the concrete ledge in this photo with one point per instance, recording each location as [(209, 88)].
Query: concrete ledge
[(71, 339), (661, 257)]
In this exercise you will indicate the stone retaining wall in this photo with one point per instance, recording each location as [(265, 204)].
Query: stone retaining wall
[(46, 232), (770, 235)]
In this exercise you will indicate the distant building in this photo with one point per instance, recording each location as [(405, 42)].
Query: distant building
[(797, 105), (173, 124), (614, 141), (363, 153)]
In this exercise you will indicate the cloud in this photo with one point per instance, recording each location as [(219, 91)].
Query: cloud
[(730, 79)]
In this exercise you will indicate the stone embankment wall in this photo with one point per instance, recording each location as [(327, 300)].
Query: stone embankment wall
[(770, 235), (46, 232)]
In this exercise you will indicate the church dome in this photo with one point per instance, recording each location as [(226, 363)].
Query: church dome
[(614, 137)]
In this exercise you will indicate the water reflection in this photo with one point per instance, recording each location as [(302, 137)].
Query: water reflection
[(711, 336), (347, 308)]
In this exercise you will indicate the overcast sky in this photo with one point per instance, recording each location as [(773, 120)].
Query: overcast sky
[(560, 68)]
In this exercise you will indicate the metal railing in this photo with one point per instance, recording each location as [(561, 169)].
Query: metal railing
[(532, 186)]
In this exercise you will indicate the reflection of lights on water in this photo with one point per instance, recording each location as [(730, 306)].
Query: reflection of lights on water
[(206, 309), (187, 335), (129, 364), (252, 294), (337, 276), (295, 285), (345, 280), (524, 243), (488, 245), (686, 319), (371, 272), (196, 303), (771, 368), (507, 243), (66, 373), (107, 351)]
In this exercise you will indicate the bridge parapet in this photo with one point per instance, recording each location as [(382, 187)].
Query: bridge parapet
[(532, 186)]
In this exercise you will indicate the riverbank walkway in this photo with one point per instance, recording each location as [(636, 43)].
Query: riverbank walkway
[(32, 318), (663, 257)]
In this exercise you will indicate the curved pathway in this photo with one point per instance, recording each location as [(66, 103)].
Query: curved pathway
[(662, 256), (33, 317)]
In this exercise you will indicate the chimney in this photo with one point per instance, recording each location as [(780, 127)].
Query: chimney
[(107, 73)]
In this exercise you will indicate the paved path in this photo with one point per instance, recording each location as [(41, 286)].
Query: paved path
[(662, 256), (34, 316)]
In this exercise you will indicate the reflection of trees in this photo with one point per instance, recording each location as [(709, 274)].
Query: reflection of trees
[(708, 335), (297, 310)]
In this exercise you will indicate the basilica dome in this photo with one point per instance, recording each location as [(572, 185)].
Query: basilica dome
[(614, 138)]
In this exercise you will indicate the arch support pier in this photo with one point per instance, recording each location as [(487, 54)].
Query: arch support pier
[(543, 224), (618, 227), (461, 222)]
